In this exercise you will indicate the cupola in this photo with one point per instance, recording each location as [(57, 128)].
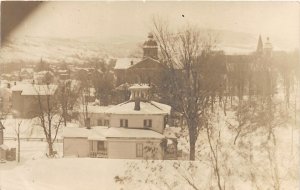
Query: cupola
[(150, 47), (268, 48), (139, 92)]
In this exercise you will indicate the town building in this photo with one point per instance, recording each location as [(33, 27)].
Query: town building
[(147, 69), (27, 98), (131, 130)]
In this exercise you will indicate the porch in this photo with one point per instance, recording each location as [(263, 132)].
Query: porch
[(98, 149)]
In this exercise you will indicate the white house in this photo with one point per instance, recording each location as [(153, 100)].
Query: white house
[(134, 130)]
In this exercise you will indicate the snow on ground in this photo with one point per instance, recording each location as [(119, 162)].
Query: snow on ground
[(37, 172), (59, 174), (29, 128)]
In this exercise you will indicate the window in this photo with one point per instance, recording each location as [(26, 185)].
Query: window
[(99, 122), (166, 120), (124, 123), (147, 123), (106, 122), (139, 150), (100, 145)]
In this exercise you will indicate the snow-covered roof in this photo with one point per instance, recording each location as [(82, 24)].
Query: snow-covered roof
[(31, 89), (125, 63), (150, 107), (102, 133), (76, 132), (40, 90), (94, 108), (4, 147), (20, 86), (139, 86), (115, 132)]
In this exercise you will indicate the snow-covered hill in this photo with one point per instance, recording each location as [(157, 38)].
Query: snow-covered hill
[(56, 50)]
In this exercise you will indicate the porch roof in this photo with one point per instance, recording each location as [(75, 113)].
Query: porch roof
[(103, 133)]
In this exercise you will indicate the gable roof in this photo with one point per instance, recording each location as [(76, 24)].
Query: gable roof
[(147, 62), (31, 89), (40, 90), (125, 63)]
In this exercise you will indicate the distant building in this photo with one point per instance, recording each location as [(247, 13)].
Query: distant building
[(63, 74), (26, 73), (26, 97), (240, 64), (147, 69), (131, 130), (5, 97)]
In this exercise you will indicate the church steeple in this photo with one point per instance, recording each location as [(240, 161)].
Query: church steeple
[(260, 48), (150, 47)]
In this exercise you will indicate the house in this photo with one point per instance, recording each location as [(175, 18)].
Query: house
[(5, 97), (95, 113), (26, 97), (134, 130), (63, 74), (147, 69), (26, 73)]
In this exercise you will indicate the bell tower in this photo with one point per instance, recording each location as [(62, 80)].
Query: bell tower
[(268, 48), (150, 47)]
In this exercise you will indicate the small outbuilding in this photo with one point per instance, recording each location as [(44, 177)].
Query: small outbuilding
[(3, 151)]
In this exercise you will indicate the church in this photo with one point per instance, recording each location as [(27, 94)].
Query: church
[(147, 69)]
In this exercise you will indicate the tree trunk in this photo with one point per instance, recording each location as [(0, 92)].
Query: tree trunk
[(18, 136), (192, 148), (50, 149)]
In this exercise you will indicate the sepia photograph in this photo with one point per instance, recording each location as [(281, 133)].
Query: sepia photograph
[(149, 95)]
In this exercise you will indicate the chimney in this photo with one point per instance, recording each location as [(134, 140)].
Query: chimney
[(87, 123), (137, 104), (8, 85)]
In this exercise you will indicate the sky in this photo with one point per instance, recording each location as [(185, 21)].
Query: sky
[(112, 19)]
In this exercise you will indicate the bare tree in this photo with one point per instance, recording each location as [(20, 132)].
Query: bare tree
[(17, 132), (49, 114), (192, 77)]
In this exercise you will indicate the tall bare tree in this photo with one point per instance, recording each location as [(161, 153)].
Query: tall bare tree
[(192, 73), (49, 114)]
